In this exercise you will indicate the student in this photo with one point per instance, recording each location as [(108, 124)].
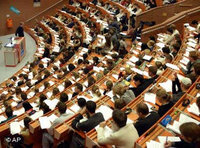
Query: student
[(63, 97), (123, 92), (27, 137), (172, 31), (9, 114), (146, 119), (93, 118), (138, 80), (182, 86), (193, 57), (67, 83), (109, 86), (47, 138), (190, 136), (195, 74), (81, 103), (78, 89), (91, 81), (165, 99), (123, 136), (44, 107), (119, 103)]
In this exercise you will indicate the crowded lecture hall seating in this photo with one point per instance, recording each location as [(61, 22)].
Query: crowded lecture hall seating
[(69, 52)]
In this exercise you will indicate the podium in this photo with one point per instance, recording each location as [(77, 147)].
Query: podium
[(14, 51)]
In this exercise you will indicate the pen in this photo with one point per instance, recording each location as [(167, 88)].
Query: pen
[(166, 139)]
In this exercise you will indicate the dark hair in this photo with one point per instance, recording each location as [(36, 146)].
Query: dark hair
[(79, 86), (67, 83), (80, 61), (169, 57), (194, 22), (41, 66), (197, 68), (166, 50), (63, 97), (119, 103), (81, 102), (55, 91), (85, 55), (142, 108), (71, 67), (119, 117), (153, 70), (24, 96), (96, 60), (9, 111), (170, 29), (86, 70), (42, 98), (152, 38), (91, 81), (176, 46), (20, 83), (138, 77), (27, 106), (91, 106), (27, 120), (62, 107), (44, 107)]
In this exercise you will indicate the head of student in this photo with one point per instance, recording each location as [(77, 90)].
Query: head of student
[(119, 118), (193, 56), (27, 120), (62, 107), (81, 102), (185, 83), (162, 96), (78, 88), (119, 103), (142, 110), (138, 79), (152, 71), (63, 97), (9, 112), (190, 132), (90, 107)]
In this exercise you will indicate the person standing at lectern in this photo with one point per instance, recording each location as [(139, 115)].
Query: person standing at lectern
[(20, 30)]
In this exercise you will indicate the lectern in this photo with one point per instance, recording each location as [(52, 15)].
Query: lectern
[(14, 51)]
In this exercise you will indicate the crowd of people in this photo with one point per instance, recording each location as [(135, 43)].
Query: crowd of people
[(124, 134)]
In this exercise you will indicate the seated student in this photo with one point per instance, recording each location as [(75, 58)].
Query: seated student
[(183, 86), (71, 67), (9, 114), (81, 103), (27, 106), (44, 107), (196, 73), (95, 91), (175, 48), (67, 83), (166, 51), (190, 136), (123, 92), (138, 80), (165, 99), (63, 97), (160, 66), (27, 137), (46, 51), (78, 89), (172, 31), (123, 136), (146, 119), (93, 118), (109, 86), (119, 103), (47, 138), (91, 81), (193, 57)]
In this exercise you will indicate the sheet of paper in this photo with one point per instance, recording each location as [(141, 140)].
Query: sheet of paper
[(2, 118), (61, 88), (31, 94), (37, 115), (184, 118), (19, 111), (44, 122), (15, 128), (147, 57), (133, 59), (106, 111), (167, 85), (75, 108), (174, 127), (49, 94), (193, 108), (162, 139), (21, 123), (13, 104), (52, 117), (150, 97), (172, 66), (154, 144)]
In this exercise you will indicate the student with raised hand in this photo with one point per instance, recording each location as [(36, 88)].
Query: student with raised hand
[(124, 135), (190, 136), (146, 119), (165, 99), (47, 138)]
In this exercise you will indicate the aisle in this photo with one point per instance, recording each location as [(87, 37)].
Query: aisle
[(7, 72)]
